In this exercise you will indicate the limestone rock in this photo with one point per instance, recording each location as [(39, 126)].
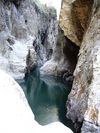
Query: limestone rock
[(68, 77), (49, 68), (21, 24), (13, 55), (73, 18), (46, 38), (56, 126), (62, 58), (31, 60), (15, 113), (83, 105)]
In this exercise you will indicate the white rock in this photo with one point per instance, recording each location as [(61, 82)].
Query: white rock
[(13, 56), (15, 113)]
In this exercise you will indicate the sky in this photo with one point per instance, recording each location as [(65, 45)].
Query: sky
[(56, 4)]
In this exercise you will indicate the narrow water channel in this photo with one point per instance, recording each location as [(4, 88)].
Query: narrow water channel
[(47, 97)]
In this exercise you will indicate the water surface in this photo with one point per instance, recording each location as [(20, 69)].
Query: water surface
[(47, 97)]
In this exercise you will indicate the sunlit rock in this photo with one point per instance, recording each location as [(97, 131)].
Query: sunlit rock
[(57, 126), (15, 113), (26, 26), (13, 54)]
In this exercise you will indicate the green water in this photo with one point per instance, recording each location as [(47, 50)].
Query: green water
[(47, 97)]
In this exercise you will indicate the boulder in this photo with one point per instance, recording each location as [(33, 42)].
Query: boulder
[(68, 76), (49, 68), (16, 115), (56, 126)]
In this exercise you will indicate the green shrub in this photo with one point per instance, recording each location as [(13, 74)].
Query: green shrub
[(48, 11), (53, 13)]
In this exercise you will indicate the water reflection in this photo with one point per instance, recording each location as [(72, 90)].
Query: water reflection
[(47, 97)]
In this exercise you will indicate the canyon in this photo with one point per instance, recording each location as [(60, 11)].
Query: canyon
[(30, 36), (15, 113), (80, 21)]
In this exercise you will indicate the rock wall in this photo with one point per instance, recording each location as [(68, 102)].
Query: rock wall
[(30, 36), (73, 19), (80, 21), (63, 57), (26, 27), (47, 31)]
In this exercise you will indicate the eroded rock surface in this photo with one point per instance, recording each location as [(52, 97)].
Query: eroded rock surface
[(15, 113), (62, 58), (13, 55), (83, 105), (31, 26), (26, 26), (73, 18)]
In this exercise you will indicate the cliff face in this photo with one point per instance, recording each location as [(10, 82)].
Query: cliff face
[(73, 19), (28, 33), (63, 57), (83, 104), (30, 36)]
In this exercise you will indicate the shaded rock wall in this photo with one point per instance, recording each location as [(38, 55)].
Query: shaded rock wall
[(46, 38), (73, 19), (63, 57), (83, 101), (25, 26)]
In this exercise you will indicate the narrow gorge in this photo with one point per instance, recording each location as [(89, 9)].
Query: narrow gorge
[(62, 39)]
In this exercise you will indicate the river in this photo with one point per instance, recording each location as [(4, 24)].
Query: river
[(47, 97)]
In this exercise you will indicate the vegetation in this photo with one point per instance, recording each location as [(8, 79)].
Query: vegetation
[(53, 13), (43, 8)]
